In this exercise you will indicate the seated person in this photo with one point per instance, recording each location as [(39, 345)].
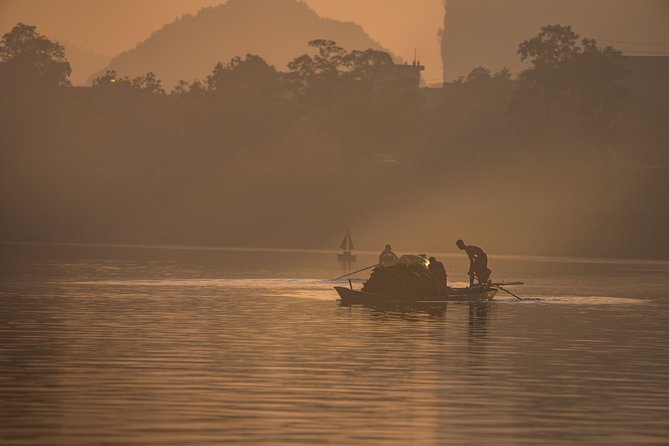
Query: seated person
[(388, 257), (438, 271)]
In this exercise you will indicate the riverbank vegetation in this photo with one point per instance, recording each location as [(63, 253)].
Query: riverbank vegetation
[(563, 158)]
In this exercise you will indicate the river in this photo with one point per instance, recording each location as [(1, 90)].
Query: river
[(138, 345)]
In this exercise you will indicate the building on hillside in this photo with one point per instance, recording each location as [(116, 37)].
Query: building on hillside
[(410, 74)]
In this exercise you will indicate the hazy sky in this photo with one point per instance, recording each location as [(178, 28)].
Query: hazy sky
[(487, 32), (480, 32), (109, 27), (400, 25)]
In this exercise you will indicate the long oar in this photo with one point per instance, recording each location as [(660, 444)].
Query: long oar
[(507, 291), (350, 274)]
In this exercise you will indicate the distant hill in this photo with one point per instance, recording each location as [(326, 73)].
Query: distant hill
[(277, 30), (83, 63)]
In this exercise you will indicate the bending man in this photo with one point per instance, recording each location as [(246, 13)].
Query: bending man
[(478, 263)]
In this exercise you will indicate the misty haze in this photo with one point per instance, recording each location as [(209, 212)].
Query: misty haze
[(177, 178)]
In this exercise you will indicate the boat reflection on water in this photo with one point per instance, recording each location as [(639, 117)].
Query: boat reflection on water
[(478, 312), (413, 312), (477, 332)]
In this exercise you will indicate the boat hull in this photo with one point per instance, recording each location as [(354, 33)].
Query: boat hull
[(475, 294)]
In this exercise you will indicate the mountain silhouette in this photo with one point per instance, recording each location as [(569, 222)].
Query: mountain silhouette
[(83, 62), (277, 30)]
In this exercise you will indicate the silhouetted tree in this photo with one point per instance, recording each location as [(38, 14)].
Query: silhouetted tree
[(326, 65), (329, 59), (242, 112), (181, 88), (111, 80), (356, 95), (27, 57), (366, 65), (483, 82), (471, 122), (148, 83), (554, 45), (572, 82), (251, 75)]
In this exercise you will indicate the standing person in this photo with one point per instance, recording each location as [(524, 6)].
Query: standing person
[(438, 272), (478, 263), (388, 257)]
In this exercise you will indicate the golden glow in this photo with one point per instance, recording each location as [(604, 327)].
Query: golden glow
[(109, 28)]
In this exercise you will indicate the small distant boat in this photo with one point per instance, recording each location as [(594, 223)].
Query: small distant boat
[(479, 293), (347, 246)]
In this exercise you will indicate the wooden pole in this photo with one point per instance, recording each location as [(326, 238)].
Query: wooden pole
[(350, 274), (507, 291)]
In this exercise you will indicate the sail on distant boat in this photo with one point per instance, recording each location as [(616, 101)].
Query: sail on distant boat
[(347, 243), (347, 246)]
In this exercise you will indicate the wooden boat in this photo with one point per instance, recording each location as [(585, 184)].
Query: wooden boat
[(479, 293), (347, 246)]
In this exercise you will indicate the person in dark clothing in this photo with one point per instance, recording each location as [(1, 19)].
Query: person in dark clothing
[(388, 257), (478, 263), (438, 272)]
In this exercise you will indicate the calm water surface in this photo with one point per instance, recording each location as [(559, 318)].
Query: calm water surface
[(175, 347)]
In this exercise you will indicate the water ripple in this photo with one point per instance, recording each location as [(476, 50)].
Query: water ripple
[(129, 358)]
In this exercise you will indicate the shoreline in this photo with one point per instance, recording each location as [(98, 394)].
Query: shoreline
[(216, 248)]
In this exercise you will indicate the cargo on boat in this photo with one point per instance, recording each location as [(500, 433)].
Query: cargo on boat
[(408, 283)]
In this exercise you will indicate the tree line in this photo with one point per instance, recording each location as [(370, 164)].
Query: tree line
[(254, 155)]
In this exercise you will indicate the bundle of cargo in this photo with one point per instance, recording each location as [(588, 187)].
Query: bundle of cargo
[(402, 280)]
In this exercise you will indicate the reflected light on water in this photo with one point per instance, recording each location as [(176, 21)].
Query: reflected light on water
[(151, 350)]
